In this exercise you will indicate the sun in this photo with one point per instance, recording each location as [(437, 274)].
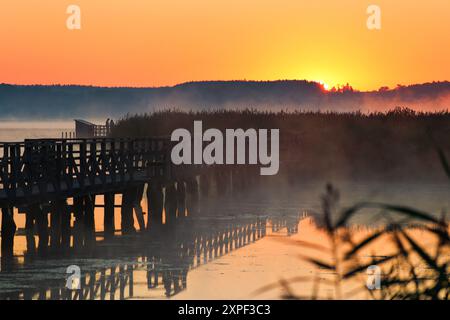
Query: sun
[(324, 85)]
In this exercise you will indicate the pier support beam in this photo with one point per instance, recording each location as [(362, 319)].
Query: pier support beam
[(170, 202), (181, 199), (41, 217), (192, 201), (55, 225), (155, 203), (109, 214), (127, 220), (8, 230), (65, 224), (78, 211), (29, 230), (89, 220), (138, 193)]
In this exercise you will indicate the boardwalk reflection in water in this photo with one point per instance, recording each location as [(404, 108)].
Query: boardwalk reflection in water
[(158, 260)]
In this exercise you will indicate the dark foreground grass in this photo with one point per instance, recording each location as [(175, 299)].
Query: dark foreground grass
[(414, 270)]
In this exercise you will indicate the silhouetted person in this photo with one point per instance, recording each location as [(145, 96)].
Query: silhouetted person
[(107, 126), (111, 126)]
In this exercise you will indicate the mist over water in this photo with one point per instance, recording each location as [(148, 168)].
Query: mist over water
[(13, 131), (67, 102)]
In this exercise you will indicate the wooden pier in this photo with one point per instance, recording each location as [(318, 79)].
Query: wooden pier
[(57, 183), (39, 177)]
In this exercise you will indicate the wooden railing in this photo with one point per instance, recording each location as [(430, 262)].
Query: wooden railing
[(42, 167), (100, 131)]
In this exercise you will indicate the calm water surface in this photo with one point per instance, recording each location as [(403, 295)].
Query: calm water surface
[(11, 131)]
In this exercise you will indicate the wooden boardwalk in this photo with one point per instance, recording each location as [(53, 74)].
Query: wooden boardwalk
[(38, 170), (40, 177), (56, 184)]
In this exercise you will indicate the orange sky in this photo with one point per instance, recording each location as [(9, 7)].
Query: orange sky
[(165, 42)]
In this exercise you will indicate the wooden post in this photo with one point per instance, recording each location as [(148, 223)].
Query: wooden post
[(8, 230), (192, 196), (181, 199), (138, 193), (254, 226), (103, 284), (112, 277), (29, 229), (263, 227), (41, 217), (91, 285), (65, 224), (130, 280), (155, 203), (122, 282), (78, 211), (170, 202), (54, 292), (83, 164), (227, 239), (55, 225), (127, 220), (89, 220), (109, 214)]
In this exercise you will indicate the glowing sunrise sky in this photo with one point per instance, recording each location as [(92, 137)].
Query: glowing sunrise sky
[(165, 42)]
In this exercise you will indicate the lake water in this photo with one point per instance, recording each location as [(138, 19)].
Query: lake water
[(229, 252), (11, 131)]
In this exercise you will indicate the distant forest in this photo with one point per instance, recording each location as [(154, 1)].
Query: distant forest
[(67, 102), (400, 144)]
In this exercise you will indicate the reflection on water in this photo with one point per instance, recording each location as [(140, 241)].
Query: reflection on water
[(159, 260)]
